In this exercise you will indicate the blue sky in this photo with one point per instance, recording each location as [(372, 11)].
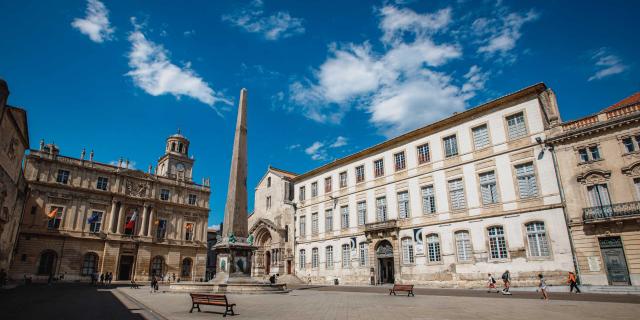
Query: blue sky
[(325, 79)]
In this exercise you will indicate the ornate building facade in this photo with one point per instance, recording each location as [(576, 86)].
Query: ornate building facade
[(84, 217), (598, 157)]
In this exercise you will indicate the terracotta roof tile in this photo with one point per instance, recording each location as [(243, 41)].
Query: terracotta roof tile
[(632, 99)]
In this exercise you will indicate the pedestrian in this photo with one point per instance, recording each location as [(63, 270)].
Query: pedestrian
[(110, 277), (102, 279), (506, 278), (492, 284), (153, 283), (543, 287), (573, 283), (174, 277), (272, 279)]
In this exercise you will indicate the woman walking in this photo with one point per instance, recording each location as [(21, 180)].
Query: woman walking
[(543, 287)]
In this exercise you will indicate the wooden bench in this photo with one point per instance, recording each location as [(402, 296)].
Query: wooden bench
[(213, 300), (402, 287)]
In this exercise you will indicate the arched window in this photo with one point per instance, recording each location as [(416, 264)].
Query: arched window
[(463, 245), (157, 266), (302, 258), (537, 239), (329, 256), (186, 267), (173, 146), (180, 146), (314, 258), (47, 262), (407, 251), (497, 243), (268, 182), (89, 264), (433, 244)]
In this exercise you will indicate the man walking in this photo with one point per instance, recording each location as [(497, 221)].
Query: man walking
[(573, 283), (506, 278)]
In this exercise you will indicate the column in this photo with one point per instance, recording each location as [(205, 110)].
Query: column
[(120, 219), (152, 220), (203, 236), (180, 228), (143, 221), (112, 215)]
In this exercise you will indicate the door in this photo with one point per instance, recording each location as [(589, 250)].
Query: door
[(614, 261), (288, 266), (267, 262), (386, 270), (124, 271)]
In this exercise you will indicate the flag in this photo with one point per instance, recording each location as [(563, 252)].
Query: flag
[(132, 220), (353, 243), (53, 213), (189, 226), (94, 218)]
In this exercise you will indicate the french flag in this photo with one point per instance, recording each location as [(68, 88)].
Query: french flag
[(132, 221)]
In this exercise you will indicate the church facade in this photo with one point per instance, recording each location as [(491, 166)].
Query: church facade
[(83, 217)]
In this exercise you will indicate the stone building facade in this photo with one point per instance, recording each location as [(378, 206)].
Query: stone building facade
[(78, 215), (598, 157), (442, 205), (14, 140)]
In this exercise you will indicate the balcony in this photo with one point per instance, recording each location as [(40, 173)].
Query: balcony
[(383, 225), (613, 211)]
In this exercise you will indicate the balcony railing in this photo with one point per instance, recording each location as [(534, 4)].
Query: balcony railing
[(617, 210), (389, 224)]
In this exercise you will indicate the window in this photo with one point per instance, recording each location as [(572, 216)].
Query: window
[(314, 258), (362, 213), (63, 176), (303, 226), (302, 259), (95, 221), (363, 254), (47, 262), (378, 168), (526, 180), (456, 194), (344, 217), (164, 194), (599, 195), (186, 267), (463, 246), (584, 156), (346, 251), (407, 251), (268, 202), (433, 247), (54, 223), (480, 136), (102, 183), (193, 199), (381, 209), (516, 126), (403, 204), (428, 200), (302, 194), (161, 232), (343, 179), (423, 154), (89, 264), (329, 256), (630, 145), (157, 266), (537, 238), (327, 184), (314, 189), (314, 223), (636, 182), (188, 231), (589, 154), (328, 220), (497, 243), (450, 146), (359, 174), (400, 161), (488, 188), (594, 152), (268, 182)]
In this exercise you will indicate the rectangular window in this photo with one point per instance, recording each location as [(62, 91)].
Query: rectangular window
[(594, 152), (193, 199), (527, 184), (161, 232), (314, 223), (450, 146), (314, 189), (456, 194), (636, 182), (378, 168), (344, 214), (400, 161), (407, 251), (428, 200), (303, 226), (381, 209), (403, 205), (63, 176), (327, 184), (188, 231), (302, 194), (268, 202), (303, 259), (488, 188), (346, 251), (537, 239), (359, 174), (102, 183), (343, 179), (363, 254), (433, 246), (328, 220), (599, 195), (423, 154), (164, 194), (497, 243), (516, 126), (362, 213), (314, 258), (628, 145), (96, 222), (584, 156), (329, 256), (463, 246), (54, 223), (480, 136)]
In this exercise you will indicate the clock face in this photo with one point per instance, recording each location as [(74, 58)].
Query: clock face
[(180, 167)]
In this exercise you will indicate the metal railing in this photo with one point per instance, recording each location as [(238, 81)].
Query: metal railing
[(616, 210)]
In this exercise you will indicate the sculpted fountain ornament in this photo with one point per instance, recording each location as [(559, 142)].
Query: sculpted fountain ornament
[(235, 249)]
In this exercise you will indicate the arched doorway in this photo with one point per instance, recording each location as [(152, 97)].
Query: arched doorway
[(265, 260), (384, 255), (186, 268)]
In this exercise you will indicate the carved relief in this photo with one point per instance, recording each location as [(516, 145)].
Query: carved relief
[(594, 177), (12, 149), (136, 189), (632, 170)]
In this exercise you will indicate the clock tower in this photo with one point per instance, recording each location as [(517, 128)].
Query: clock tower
[(176, 163)]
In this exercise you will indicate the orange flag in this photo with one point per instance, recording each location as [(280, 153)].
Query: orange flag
[(53, 213)]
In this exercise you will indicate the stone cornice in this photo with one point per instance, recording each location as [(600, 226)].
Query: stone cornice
[(567, 136)]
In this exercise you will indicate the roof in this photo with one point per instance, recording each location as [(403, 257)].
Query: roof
[(632, 99), (281, 172)]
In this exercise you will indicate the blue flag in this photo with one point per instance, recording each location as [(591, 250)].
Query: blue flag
[(94, 218)]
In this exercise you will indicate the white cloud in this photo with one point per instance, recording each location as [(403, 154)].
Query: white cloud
[(340, 142), (396, 21), (123, 164), (502, 33), (319, 150), (272, 27), (96, 23), (294, 146), (189, 33), (607, 64), (153, 72)]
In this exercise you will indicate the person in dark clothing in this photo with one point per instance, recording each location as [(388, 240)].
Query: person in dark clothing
[(110, 277), (102, 279), (272, 279), (573, 283)]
